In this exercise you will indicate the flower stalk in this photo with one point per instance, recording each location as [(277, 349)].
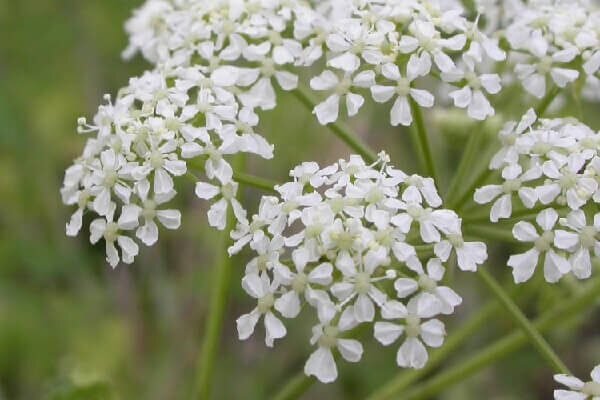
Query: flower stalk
[(337, 128)]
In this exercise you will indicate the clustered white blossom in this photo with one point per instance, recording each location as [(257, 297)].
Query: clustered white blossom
[(578, 389), (554, 43), (345, 241), (159, 125), (552, 166)]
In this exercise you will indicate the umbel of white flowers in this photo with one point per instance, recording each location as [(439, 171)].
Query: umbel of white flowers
[(343, 240), (552, 164), (217, 62)]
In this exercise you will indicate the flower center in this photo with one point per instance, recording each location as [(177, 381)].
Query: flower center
[(228, 191), (111, 232), (362, 283), (344, 240), (299, 283), (456, 240), (544, 242), (591, 388), (329, 337), (265, 303), (156, 160), (110, 177), (426, 283), (374, 196), (402, 87), (343, 87), (587, 236), (149, 210), (413, 326), (511, 185)]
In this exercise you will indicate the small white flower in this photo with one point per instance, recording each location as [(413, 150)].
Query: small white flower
[(328, 110), (263, 291), (580, 240), (217, 214), (321, 363), (428, 283), (412, 353), (112, 233), (401, 110), (578, 389), (555, 265)]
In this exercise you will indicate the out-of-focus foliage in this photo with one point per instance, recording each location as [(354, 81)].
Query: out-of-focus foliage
[(72, 328)]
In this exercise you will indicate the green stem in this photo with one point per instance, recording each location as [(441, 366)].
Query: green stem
[(254, 181), (216, 315), (462, 200), (295, 388), (490, 232), (526, 326), (339, 129), (546, 101), (422, 140), (472, 147), (503, 347)]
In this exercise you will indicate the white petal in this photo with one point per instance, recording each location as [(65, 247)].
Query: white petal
[(405, 287), (171, 219), (412, 354), (351, 350), (433, 333), (401, 113), (387, 333), (148, 233), (274, 329), (246, 324), (288, 304), (364, 310), (353, 103), (328, 110), (321, 365), (525, 232), (523, 265)]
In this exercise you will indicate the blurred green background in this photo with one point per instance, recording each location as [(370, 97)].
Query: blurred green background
[(73, 328)]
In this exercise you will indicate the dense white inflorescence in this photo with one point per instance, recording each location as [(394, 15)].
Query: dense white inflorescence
[(551, 166), (347, 241), (217, 63), (353, 243)]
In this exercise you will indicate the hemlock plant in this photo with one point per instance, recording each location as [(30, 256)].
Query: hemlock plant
[(358, 242)]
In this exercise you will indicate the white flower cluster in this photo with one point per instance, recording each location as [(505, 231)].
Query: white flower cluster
[(578, 389), (156, 126), (390, 47), (346, 241), (553, 163), (554, 42)]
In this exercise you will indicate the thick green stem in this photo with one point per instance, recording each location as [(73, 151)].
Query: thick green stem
[(490, 232), (295, 388), (462, 200), (526, 326), (254, 181), (503, 347), (339, 129), (421, 140), (472, 147), (546, 101)]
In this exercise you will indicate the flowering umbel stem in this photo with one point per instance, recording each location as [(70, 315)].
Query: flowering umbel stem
[(216, 315), (422, 141), (526, 326)]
